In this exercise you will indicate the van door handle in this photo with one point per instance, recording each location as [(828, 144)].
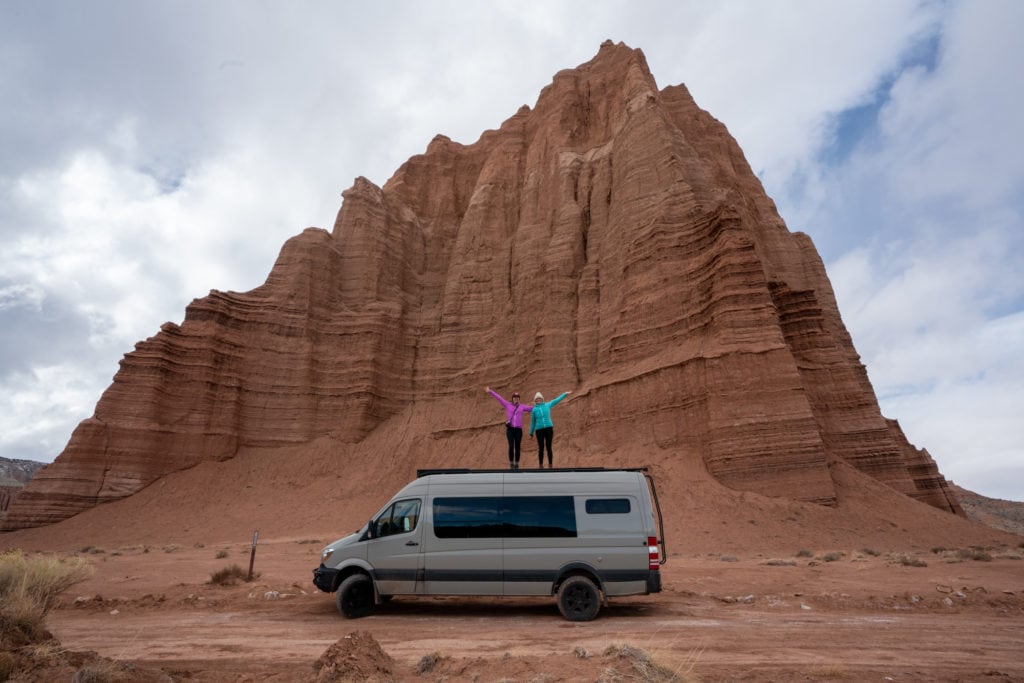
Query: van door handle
[(411, 543)]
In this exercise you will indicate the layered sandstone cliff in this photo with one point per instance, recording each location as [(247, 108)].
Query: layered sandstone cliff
[(611, 240)]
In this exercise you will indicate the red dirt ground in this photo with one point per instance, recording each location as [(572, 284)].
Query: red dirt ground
[(755, 589), (859, 617)]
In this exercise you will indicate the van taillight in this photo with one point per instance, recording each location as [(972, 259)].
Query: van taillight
[(652, 552)]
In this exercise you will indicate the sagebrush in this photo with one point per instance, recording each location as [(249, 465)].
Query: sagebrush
[(29, 589)]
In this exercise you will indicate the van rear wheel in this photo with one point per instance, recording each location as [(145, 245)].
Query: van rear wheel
[(355, 596), (578, 599)]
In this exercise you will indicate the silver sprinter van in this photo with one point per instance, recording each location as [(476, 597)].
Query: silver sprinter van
[(582, 535)]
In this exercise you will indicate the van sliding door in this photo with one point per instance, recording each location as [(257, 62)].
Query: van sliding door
[(464, 548)]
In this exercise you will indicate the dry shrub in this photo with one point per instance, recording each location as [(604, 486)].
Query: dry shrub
[(832, 556), (826, 672), (644, 666), (7, 665), (777, 562), (977, 554), (99, 671), (908, 561), (229, 576), (803, 552), (428, 662), (29, 588)]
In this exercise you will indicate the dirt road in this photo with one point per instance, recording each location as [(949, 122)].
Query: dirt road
[(857, 616)]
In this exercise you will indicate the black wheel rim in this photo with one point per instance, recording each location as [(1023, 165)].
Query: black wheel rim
[(357, 598), (578, 600)]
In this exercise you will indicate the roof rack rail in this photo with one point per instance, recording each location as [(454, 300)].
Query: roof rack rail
[(466, 470)]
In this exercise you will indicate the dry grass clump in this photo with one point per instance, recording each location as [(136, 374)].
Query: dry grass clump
[(229, 576), (29, 588), (828, 672), (99, 671), (644, 666), (428, 662), (976, 554), (832, 556), (910, 561)]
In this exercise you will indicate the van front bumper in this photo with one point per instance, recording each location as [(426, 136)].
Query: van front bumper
[(325, 578)]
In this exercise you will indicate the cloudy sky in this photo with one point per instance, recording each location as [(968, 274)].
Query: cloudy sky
[(151, 151)]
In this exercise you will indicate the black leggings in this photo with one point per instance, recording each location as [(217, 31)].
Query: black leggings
[(544, 437), (515, 443)]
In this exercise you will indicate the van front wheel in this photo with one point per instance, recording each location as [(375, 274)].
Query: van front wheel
[(355, 596), (578, 599)]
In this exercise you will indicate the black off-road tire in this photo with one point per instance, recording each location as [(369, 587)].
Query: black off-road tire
[(578, 599), (355, 596)]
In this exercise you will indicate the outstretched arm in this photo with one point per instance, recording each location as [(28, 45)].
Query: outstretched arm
[(563, 395), (497, 396)]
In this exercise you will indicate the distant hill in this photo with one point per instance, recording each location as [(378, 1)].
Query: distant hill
[(18, 472), (14, 474), (1006, 515)]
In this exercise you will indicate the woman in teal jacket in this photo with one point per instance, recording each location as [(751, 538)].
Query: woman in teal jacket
[(540, 422)]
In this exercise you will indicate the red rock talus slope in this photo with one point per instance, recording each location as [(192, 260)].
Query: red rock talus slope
[(611, 240)]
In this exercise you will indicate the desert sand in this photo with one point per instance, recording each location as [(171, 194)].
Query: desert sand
[(880, 587)]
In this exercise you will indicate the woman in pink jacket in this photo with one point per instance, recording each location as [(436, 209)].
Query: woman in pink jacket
[(513, 425)]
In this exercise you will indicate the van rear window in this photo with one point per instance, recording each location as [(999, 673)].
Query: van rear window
[(607, 506), (505, 517)]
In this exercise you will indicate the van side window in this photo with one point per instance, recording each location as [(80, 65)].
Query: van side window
[(539, 517), (399, 518), (476, 517), (607, 506), (505, 517)]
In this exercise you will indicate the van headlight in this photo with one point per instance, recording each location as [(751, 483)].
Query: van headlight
[(326, 555)]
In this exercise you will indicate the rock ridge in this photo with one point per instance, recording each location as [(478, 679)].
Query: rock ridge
[(612, 239)]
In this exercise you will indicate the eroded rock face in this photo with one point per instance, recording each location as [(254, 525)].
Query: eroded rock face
[(611, 240)]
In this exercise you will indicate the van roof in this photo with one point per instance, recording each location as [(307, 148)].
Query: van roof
[(429, 472)]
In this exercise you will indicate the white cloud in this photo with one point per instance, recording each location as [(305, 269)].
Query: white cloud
[(774, 71), (39, 406), (21, 295), (952, 127)]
